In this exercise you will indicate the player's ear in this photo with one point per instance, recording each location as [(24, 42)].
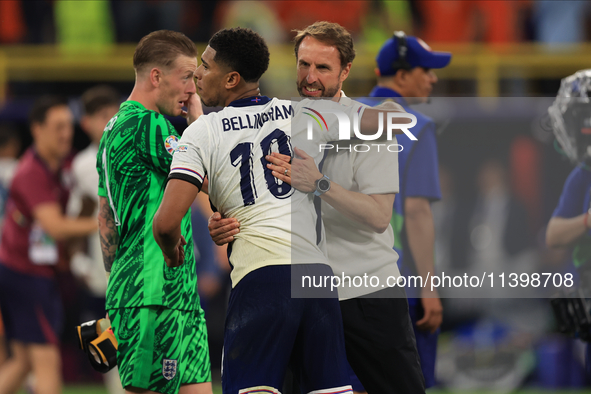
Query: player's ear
[(233, 78), (155, 77)]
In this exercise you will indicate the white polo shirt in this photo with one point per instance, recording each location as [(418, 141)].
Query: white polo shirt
[(354, 249)]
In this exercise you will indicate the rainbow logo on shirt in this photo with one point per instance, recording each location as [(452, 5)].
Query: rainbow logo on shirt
[(316, 119), (171, 144)]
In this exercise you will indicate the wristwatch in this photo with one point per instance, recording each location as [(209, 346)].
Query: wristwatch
[(322, 186)]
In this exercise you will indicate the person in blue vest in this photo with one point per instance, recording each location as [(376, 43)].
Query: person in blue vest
[(405, 73)]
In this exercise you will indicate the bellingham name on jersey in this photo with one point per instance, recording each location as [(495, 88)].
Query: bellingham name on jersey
[(256, 121)]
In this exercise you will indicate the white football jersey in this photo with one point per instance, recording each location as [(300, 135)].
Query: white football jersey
[(277, 222)]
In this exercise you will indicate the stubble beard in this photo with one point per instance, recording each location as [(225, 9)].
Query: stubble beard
[(325, 93)]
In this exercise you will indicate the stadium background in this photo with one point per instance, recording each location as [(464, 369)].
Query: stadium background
[(502, 51)]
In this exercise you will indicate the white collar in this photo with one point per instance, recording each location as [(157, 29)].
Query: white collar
[(344, 100)]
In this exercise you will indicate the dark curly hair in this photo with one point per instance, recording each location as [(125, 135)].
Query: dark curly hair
[(242, 50)]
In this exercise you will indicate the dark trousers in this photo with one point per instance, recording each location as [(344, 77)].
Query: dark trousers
[(380, 343)]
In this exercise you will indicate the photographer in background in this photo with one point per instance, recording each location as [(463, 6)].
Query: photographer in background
[(570, 223)]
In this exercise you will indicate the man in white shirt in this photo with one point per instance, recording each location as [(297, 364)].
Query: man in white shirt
[(356, 212), (100, 104)]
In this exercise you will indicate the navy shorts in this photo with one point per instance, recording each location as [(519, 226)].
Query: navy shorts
[(31, 307), (267, 330), (426, 342)]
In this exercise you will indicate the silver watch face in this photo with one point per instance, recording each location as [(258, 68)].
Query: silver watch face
[(323, 185)]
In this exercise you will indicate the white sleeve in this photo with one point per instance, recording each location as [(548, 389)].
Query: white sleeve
[(193, 152), (84, 168), (376, 171), (85, 183)]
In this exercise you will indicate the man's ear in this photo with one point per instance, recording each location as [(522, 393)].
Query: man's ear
[(233, 78), (345, 72), (401, 76), (35, 129), (85, 123), (155, 77)]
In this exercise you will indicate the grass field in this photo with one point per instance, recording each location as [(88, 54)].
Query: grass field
[(217, 389)]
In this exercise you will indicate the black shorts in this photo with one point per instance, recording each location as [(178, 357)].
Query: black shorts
[(380, 342), (31, 307), (267, 330)]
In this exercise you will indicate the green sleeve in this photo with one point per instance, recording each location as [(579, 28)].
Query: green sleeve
[(101, 171), (156, 142)]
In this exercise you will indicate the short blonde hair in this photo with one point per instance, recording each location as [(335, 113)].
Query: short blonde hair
[(161, 48)]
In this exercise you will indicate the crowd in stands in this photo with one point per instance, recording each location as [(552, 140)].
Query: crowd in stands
[(103, 22)]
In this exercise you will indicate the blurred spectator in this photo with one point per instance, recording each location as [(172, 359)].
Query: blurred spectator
[(39, 20), (28, 21), (198, 19), (444, 218), (294, 14), (526, 177), (499, 227), (445, 21), (100, 104), (497, 21), (9, 149), (83, 25), (137, 18), (498, 240), (30, 250), (12, 24), (383, 17), (259, 16), (490, 21), (10, 146), (560, 22)]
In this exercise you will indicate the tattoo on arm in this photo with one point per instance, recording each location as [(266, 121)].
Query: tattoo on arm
[(108, 234)]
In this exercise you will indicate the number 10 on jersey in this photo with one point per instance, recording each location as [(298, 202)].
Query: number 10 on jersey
[(242, 155)]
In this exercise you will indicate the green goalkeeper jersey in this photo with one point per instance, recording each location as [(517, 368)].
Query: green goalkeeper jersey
[(133, 163)]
